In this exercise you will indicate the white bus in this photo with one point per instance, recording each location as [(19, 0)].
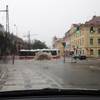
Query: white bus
[(30, 54)]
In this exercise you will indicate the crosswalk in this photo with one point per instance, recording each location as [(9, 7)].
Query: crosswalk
[(23, 78)]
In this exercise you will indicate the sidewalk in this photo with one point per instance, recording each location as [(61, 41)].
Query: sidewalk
[(3, 73)]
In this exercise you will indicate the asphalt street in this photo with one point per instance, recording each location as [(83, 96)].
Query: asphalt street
[(32, 74)]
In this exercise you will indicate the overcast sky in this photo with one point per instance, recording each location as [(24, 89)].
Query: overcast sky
[(48, 18)]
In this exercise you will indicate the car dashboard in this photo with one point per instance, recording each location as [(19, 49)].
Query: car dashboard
[(51, 94)]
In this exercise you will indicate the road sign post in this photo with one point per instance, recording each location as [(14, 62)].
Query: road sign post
[(64, 45)]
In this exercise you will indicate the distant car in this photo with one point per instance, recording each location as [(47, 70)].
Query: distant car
[(80, 57), (76, 57)]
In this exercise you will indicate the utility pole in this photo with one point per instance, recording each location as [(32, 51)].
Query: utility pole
[(64, 45), (29, 38), (7, 18)]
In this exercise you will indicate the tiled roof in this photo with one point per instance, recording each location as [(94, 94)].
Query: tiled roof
[(94, 21), (75, 25)]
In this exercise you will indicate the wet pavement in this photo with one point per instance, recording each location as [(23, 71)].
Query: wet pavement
[(25, 75), (31, 74)]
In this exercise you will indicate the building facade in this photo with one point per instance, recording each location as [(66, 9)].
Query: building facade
[(57, 43), (84, 39)]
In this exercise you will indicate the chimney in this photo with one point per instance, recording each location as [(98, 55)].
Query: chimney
[(94, 16)]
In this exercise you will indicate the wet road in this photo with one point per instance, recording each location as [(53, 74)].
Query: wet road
[(30, 74)]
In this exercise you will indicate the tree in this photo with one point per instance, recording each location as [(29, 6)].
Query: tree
[(6, 44), (39, 45)]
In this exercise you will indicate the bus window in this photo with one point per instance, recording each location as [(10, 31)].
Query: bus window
[(53, 52)]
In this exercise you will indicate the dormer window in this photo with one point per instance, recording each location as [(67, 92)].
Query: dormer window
[(92, 29), (78, 29)]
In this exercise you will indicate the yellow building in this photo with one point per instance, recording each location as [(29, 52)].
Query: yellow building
[(84, 39), (57, 43)]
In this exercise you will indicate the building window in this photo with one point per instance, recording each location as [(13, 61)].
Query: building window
[(98, 52), (83, 52), (98, 41), (92, 29), (78, 30), (80, 52), (91, 41), (91, 52), (98, 30)]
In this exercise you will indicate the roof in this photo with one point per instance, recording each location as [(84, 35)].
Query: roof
[(76, 25), (94, 21)]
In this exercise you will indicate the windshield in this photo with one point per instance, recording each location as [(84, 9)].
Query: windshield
[(49, 44)]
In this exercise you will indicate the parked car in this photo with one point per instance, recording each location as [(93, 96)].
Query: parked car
[(80, 57), (76, 56)]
